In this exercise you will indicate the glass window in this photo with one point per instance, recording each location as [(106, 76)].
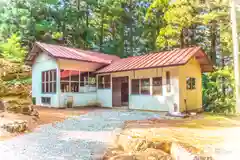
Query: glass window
[(107, 81), (104, 82), (100, 82), (46, 100), (145, 86), (49, 81), (140, 86), (74, 76), (65, 86), (72, 81), (69, 81), (157, 86), (83, 78), (191, 83), (65, 75), (135, 86), (92, 80)]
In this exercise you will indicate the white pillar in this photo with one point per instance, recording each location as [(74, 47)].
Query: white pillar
[(235, 52)]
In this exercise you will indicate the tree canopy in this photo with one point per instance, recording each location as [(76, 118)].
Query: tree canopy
[(120, 27)]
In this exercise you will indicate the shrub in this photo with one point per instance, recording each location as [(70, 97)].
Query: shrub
[(219, 91), (12, 49)]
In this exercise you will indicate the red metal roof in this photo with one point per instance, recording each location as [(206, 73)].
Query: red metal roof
[(63, 52), (67, 73), (160, 59)]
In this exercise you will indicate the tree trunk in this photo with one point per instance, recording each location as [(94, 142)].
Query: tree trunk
[(182, 39), (131, 30), (87, 25), (102, 31), (213, 42), (121, 53)]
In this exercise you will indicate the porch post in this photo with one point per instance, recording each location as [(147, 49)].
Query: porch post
[(58, 86)]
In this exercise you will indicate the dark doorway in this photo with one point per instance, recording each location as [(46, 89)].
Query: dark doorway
[(120, 91)]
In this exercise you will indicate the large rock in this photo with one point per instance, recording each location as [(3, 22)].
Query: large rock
[(148, 154), (156, 154), (129, 143), (185, 152), (124, 156), (111, 152), (15, 127)]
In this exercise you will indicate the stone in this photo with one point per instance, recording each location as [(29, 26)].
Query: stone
[(152, 154), (184, 152), (163, 145), (128, 143), (111, 152), (2, 105), (148, 154), (27, 110), (124, 156), (35, 113), (16, 126)]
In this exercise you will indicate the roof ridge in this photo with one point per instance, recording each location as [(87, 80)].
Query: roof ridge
[(86, 55), (65, 52), (162, 51), (177, 56), (59, 45)]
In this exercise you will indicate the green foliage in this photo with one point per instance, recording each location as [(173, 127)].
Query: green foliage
[(190, 23), (24, 81), (12, 49), (218, 92)]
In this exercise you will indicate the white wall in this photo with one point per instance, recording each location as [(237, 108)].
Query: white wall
[(104, 97), (79, 99), (43, 62), (165, 102)]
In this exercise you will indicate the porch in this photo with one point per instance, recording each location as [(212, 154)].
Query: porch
[(70, 84)]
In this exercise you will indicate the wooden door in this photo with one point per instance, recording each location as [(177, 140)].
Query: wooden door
[(116, 92), (124, 91)]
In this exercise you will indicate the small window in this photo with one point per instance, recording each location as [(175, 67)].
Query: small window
[(202, 1), (104, 82), (49, 81), (65, 87), (46, 100), (157, 86), (92, 80), (107, 81), (145, 86), (83, 78), (191, 83), (168, 80), (140, 86), (135, 86)]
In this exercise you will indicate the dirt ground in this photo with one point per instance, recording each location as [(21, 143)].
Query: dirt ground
[(204, 132), (46, 116)]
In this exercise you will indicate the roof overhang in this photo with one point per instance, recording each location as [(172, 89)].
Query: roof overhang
[(38, 48), (204, 61)]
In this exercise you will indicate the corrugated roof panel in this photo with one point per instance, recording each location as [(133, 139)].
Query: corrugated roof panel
[(175, 57), (157, 59), (160, 59), (74, 54)]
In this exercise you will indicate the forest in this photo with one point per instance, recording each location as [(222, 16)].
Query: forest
[(126, 28)]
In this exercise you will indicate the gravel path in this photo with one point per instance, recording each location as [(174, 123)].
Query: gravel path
[(82, 137)]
